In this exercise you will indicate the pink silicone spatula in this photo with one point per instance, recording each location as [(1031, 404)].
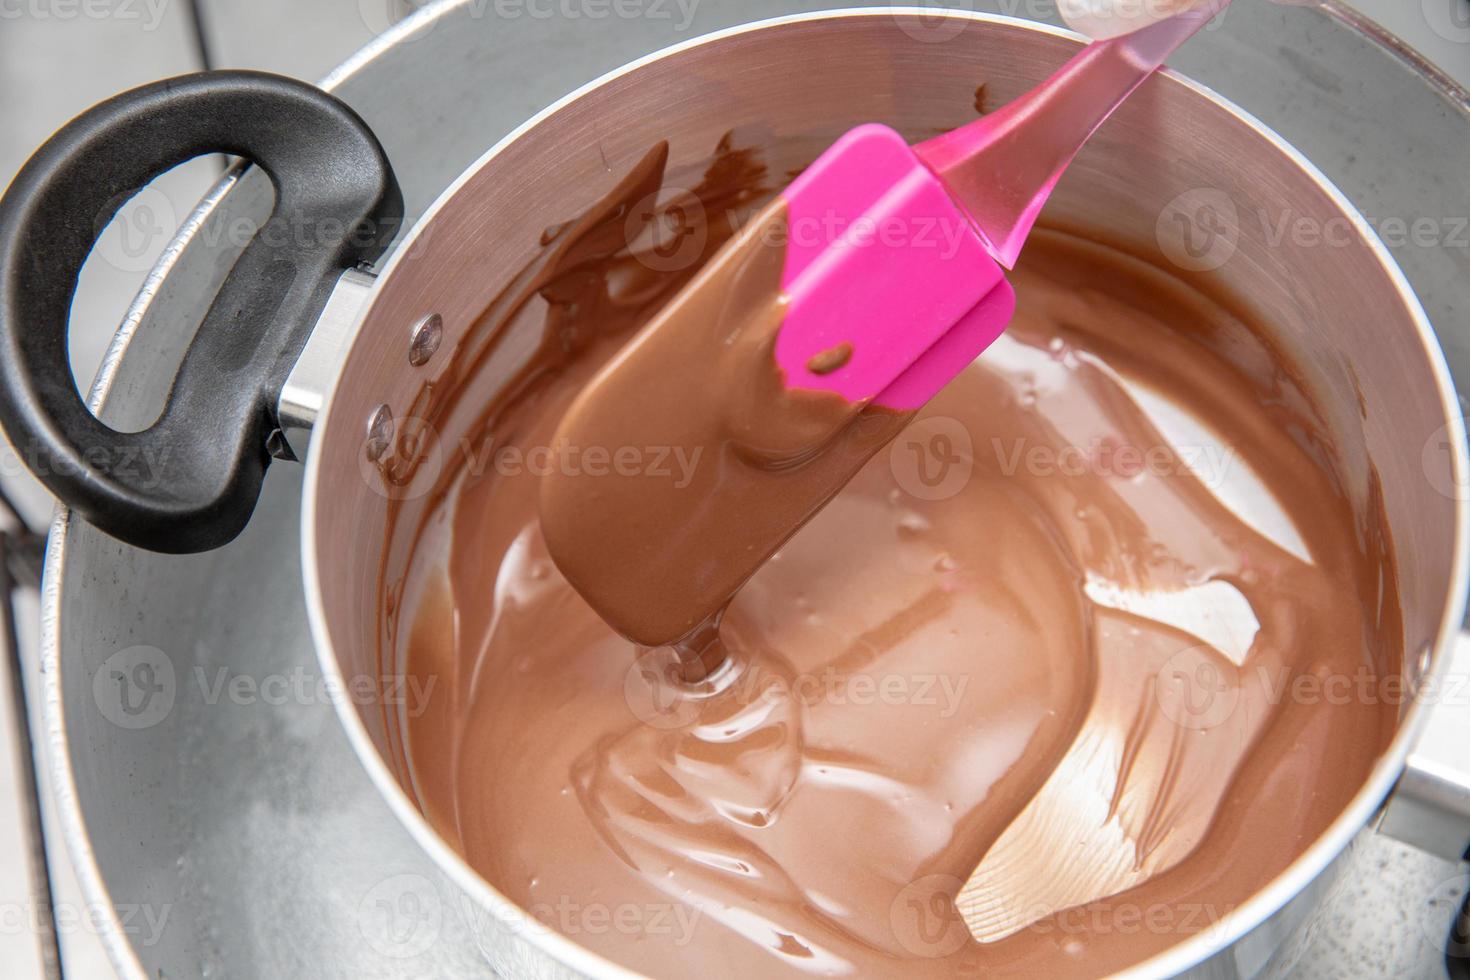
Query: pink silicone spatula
[(997, 172), (908, 314)]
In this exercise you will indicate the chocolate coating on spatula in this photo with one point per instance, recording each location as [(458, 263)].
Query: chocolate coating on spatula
[(659, 553)]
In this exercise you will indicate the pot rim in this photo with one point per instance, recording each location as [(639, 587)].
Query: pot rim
[(1240, 921)]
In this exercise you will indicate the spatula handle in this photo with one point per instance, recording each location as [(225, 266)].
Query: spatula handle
[(1003, 168)]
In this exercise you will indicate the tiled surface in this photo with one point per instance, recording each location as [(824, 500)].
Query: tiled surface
[(59, 56)]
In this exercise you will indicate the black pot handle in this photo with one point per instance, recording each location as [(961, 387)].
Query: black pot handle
[(190, 481)]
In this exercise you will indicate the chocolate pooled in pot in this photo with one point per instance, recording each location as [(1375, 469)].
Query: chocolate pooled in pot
[(1042, 634)]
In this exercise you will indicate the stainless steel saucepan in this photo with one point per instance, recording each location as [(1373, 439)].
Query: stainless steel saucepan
[(305, 353)]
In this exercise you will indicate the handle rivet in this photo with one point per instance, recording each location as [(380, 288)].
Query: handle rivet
[(379, 433), (427, 335), (1424, 665)]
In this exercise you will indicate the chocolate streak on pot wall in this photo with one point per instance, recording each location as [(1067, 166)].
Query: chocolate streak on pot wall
[(781, 817)]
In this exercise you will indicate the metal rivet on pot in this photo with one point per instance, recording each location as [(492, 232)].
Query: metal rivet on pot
[(428, 333), (379, 433), (1426, 661)]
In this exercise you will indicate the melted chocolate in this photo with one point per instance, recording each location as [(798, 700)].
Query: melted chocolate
[(1046, 634)]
